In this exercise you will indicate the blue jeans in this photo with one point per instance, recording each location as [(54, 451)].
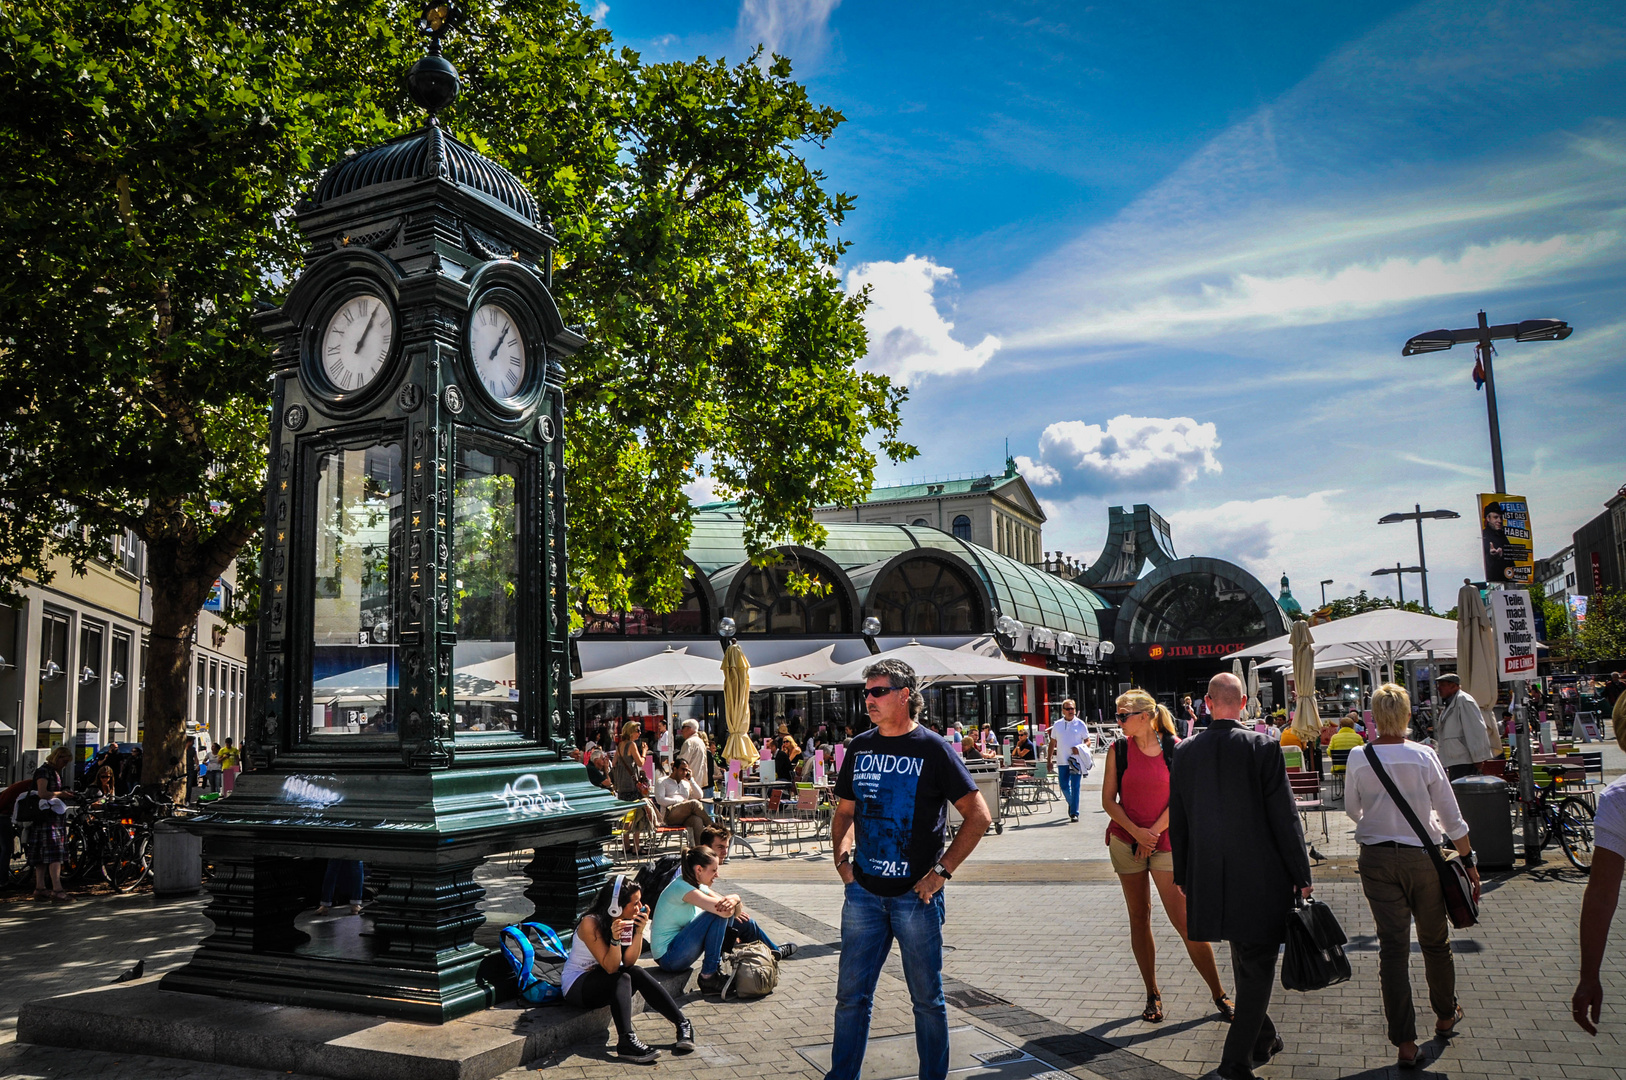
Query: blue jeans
[(346, 876), (1069, 778), (709, 935), (869, 923)]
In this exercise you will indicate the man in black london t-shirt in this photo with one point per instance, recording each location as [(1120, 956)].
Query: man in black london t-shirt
[(895, 785)]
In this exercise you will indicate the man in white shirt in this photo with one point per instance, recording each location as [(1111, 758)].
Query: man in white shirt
[(1070, 739), (692, 750), (663, 742), (1460, 734), (682, 802)]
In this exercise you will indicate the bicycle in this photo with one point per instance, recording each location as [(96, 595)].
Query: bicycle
[(1569, 818)]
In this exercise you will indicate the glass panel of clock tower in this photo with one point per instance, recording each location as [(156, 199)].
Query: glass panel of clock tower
[(359, 529), (486, 591)]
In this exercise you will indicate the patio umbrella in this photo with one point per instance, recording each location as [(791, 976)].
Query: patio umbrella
[(934, 665), (1255, 711), (667, 676), (737, 704), (1306, 713), (1476, 647), (1241, 675)]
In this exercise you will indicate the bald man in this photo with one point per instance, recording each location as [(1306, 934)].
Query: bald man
[(1239, 854)]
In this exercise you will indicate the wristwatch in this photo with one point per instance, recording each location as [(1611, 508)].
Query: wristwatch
[(941, 872), (1472, 858), (846, 857)]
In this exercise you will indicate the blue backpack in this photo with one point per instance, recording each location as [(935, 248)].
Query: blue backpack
[(533, 988)]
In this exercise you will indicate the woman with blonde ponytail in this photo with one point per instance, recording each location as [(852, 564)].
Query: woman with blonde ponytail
[(1135, 795)]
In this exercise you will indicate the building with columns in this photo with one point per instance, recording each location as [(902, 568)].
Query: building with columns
[(999, 513), (72, 654)]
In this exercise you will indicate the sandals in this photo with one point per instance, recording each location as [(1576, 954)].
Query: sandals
[(1451, 1028), (1409, 1063), (42, 894), (1227, 1010), (61, 896), (1153, 1014)]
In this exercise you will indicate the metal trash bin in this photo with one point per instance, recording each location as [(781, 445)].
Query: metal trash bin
[(1489, 813), (177, 860), (985, 774)]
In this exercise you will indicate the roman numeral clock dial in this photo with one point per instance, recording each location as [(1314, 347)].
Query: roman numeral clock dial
[(357, 342), (498, 351)]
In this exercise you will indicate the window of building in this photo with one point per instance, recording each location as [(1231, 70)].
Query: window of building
[(688, 617), (767, 606), (54, 679), (1197, 607), (118, 687), (1569, 580), (925, 596), (962, 528), (920, 521)]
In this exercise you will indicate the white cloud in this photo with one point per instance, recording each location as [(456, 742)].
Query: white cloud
[(703, 489), (599, 11), (795, 28), (1333, 293), (1253, 532), (908, 337), (1139, 454)]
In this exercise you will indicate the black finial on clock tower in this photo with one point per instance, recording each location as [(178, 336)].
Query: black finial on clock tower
[(433, 81)]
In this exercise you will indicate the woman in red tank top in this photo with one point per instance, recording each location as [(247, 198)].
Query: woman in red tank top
[(1138, 840)]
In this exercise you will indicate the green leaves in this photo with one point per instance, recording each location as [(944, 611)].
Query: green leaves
[(155, 152)]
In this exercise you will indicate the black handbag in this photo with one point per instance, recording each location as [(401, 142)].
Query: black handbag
[(1460, 904), (1314, 957)]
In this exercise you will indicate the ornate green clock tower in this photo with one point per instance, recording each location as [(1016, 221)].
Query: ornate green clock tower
[(412, 686)]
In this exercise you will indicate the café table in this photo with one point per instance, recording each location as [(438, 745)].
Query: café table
[(729, 810)]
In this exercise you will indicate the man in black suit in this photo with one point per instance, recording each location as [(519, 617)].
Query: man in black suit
[(1238, 856)]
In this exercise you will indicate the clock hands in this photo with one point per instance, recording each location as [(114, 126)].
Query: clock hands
[(500, 339), (368, 328)]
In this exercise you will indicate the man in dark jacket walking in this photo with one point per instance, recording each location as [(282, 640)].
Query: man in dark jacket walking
[(1239, 855)]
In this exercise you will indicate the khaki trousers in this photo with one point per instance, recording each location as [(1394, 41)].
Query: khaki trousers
[(692, 814), (1401, 884)]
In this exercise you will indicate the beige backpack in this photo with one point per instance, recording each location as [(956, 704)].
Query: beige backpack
[(754, 971)]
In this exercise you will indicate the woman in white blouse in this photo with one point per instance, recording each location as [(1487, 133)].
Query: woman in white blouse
[(1397, 874)]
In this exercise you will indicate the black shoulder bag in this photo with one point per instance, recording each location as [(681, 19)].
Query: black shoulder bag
[(1460, 904), (1314, 957)]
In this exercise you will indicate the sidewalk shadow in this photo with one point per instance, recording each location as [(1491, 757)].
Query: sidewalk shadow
[(1101, 1031)]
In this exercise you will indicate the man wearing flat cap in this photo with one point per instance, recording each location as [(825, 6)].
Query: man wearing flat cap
[(1461, 737)]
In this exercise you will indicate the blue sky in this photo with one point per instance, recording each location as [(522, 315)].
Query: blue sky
[(1171, 250)]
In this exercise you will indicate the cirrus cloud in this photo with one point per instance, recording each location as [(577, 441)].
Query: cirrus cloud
[(1140, 454), (908, 337)]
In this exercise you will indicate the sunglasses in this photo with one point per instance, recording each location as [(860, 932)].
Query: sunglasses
[(1127, 715), (881, 691)]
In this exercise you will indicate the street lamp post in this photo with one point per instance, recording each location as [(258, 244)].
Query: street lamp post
[(1418, 514), (1324, 583), (1398, 570), (1482, 336)]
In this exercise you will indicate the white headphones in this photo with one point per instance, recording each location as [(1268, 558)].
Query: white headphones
[(615, 896)]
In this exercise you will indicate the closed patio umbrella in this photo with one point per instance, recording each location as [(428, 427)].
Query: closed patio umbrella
[(737, 704), (1476, 647), (1255, 710), (1306, 713)]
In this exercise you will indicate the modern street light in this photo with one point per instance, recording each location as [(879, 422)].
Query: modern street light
[(1324, 583), (1482, 335), (1400, 581), (1418, 514)]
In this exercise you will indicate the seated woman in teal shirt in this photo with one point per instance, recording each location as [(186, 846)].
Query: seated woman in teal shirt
[(692, 920)]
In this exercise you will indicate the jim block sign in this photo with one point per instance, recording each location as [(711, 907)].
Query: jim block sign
[(1515, 635)]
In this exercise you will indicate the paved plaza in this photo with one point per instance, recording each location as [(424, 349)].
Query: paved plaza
[(1039, 973)]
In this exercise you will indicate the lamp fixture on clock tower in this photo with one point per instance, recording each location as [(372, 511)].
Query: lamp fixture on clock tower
[(411, 696)]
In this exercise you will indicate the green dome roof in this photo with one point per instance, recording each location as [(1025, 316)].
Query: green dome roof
[(1286, 602)]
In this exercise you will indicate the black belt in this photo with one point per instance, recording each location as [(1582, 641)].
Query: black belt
[(1394, 843)]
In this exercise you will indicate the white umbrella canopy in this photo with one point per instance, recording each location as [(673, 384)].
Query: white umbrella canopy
[(934, 665), (1370, 639), (1476, 647), (1255, 710)]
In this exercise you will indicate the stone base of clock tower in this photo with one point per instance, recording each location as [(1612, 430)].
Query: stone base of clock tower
[(416, 957)]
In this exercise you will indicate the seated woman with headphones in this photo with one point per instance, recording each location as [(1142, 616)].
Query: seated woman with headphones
[(602, 969)]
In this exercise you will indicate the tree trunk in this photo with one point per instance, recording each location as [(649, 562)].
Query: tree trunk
[(181, 577)]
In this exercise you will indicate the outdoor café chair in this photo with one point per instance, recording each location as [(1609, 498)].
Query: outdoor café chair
[(1307, 799)]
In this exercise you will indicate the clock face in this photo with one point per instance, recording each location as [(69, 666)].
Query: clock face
[(357, 342), (498, 351)]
